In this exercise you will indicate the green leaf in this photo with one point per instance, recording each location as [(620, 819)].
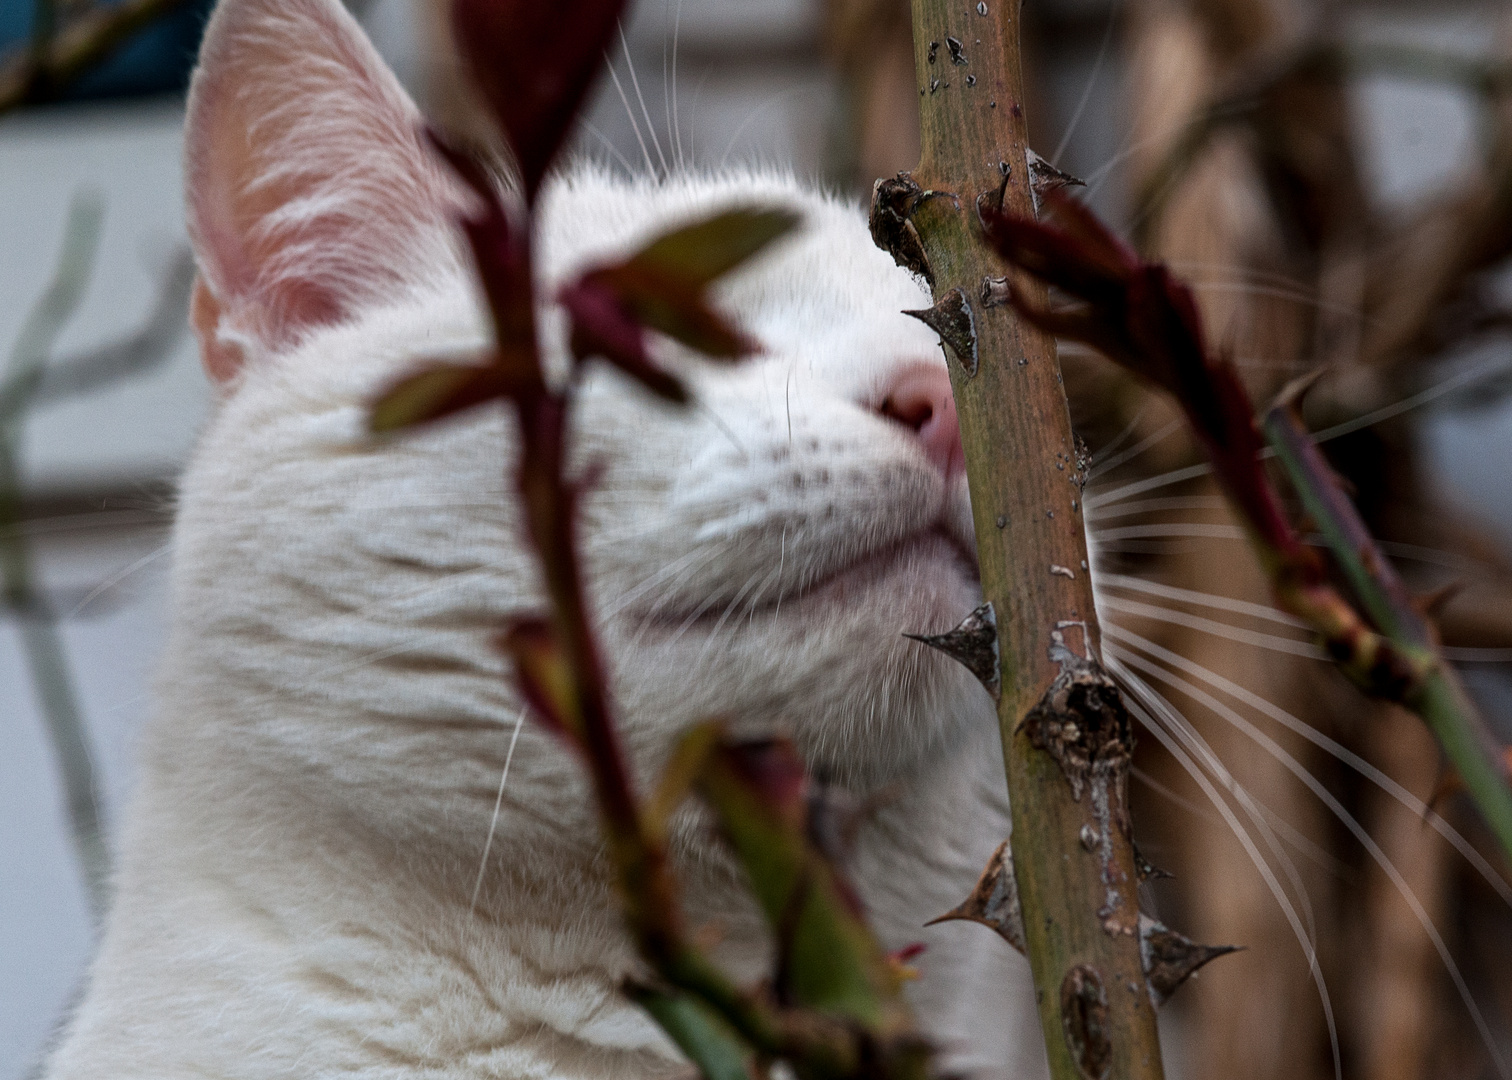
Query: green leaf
[(698, 253), (828, 959), (437, 390), (698, 1031), (544, 676), (688, 759)]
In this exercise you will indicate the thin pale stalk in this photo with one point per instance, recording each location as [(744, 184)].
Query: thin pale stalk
[(45, 655), (1073, 858)]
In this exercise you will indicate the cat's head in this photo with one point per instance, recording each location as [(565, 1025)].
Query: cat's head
[(756, 555)]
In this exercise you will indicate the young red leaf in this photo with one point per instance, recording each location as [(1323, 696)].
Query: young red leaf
[(602, 327), (501, 254), (533, 62), (663, 287), (1139, 315), (675, 307)]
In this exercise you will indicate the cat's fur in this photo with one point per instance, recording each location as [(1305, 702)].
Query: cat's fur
[(297, 868)]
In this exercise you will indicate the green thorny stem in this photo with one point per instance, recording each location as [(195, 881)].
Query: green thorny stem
[(1066, 737), (1430, 687)]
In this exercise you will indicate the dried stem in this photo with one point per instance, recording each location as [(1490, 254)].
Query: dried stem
[(1073, 857)]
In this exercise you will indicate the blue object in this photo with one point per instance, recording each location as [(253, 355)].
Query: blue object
[(157, 59)]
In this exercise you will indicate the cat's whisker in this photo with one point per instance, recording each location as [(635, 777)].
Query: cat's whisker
[(781, 562), (493, 822), (676, 119), (1330, 746), (1095, 501), (1272, 642), (695, 559), (605, 142), (1169, 502), (1134, 451), (1205, 599), (1183, 730), (1309, 850), (673, 122), (1122, 437), (1145, 704), (630, 115), (771, 101), (719, 422), (641, 99), (1081, 106), (1349, 821), (100, 519), (730, 609), (1250, 288), (1166, 530), (115, 579)]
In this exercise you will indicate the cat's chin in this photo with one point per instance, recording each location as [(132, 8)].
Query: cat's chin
[(912, 573)]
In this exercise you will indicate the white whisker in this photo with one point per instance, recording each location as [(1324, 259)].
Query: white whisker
[(115, 579), (493, 822), (1081, 106), (1349, 821), (1323, 742), (641, 98), (1291, 646), (630, 115), (1212, 600), (1144, 694), (1134, 451), (1201, 530), (1169, 502)]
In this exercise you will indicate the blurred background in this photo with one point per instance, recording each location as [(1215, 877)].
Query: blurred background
[(1336, 178)]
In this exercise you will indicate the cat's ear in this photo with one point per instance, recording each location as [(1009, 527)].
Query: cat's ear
[(310, 191)]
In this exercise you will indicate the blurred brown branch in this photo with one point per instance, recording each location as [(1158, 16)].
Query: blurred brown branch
[(57, 55)]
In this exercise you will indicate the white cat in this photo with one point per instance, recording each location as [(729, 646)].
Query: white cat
[(296, 894)]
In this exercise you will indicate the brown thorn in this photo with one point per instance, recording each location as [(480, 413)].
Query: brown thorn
[(1292, 393), (1171, 958), (1045, 178), (952, 318), (974, 644), (994, 901), (1147, 870), (1433, 604)]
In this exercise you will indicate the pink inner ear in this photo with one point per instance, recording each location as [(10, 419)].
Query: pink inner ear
[(310, 193)]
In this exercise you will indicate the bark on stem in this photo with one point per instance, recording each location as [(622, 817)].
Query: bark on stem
[(1073, 857)]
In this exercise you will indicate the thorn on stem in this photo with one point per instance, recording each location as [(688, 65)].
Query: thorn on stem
[(952, 318), (1170, 958), (994, 901), (1045, 178), (973, 643), (1147, 870)]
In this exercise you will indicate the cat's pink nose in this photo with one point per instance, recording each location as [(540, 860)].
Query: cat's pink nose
[(920, 399)]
